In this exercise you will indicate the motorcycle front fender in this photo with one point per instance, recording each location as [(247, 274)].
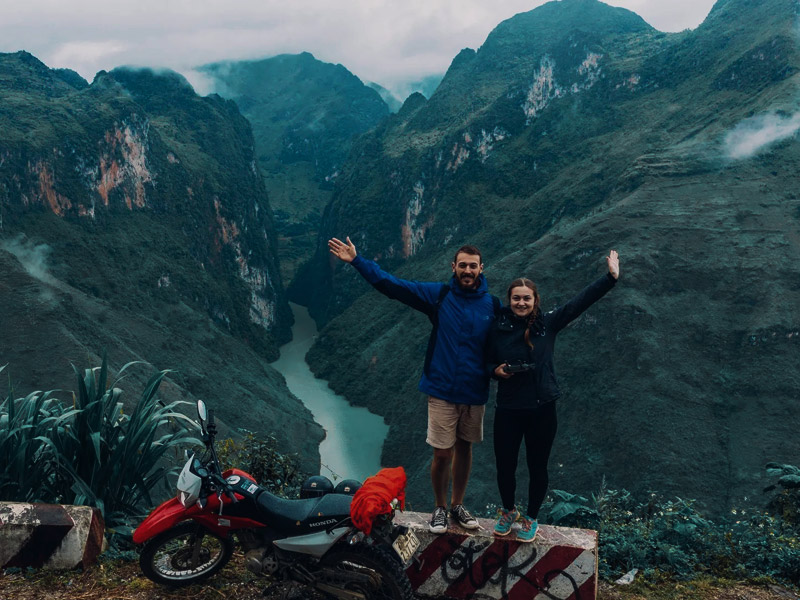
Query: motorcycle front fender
[(166, 515)]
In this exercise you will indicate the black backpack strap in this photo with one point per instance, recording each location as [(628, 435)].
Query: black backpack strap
[(434, 314), (434, 318)]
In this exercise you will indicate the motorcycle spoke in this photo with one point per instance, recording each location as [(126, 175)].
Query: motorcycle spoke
[(183, 555)]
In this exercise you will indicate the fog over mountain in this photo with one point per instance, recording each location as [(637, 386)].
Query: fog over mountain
[(391, 43)]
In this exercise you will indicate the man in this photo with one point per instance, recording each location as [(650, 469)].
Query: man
[(453, 377)]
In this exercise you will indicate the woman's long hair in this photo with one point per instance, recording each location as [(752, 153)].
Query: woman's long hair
[(523, 282)]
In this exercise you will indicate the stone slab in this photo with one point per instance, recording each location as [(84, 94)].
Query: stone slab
[(50, 536), (560, 564)]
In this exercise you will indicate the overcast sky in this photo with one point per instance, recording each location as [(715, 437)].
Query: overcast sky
[(390, 42)]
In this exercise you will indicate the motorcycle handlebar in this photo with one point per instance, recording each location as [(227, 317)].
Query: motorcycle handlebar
[(212, 428), (225, 487)]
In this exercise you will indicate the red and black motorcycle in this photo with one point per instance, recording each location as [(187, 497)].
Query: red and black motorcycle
[(311, 541)]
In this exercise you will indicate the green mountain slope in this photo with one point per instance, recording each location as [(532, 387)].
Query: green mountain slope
[(304, 113), (154, 232), (574, 129)]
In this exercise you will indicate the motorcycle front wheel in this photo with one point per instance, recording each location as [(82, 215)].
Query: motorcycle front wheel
[(390, 581), (185, 554)]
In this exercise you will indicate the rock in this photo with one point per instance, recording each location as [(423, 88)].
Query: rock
[(51, 536), (627, 578)]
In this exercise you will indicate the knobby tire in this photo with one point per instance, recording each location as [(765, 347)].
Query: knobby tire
[(163, 558), (394, 581)]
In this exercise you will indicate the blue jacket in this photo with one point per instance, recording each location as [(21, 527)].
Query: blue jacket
[(454, 365)]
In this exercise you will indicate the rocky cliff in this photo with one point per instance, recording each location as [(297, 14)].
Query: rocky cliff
[(304, 113), (134, 219)]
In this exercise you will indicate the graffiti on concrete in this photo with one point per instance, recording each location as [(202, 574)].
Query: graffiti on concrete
[(475, 565)]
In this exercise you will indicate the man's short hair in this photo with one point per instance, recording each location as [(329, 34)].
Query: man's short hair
[(468, 250)]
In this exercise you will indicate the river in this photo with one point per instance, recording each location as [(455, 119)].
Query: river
[(354, 436)]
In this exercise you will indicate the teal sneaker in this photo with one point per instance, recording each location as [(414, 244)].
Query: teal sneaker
[(505, 520), (527, 530)]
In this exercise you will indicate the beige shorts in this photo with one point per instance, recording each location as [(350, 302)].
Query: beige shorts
[(448, 421)]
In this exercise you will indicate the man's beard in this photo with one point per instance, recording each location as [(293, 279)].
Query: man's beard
[(470, 283)]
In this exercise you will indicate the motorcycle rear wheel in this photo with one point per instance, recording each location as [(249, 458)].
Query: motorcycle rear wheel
[(185, 554), (394, 583)]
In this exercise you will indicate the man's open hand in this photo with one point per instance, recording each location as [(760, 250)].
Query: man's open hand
[(346, 252)]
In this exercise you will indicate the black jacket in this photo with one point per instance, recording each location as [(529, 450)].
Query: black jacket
[(506, 343)]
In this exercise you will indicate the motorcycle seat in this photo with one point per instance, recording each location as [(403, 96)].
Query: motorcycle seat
[(298, 516)]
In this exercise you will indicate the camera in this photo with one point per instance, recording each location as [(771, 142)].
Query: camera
[(518, 366)]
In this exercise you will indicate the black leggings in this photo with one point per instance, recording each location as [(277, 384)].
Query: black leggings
[(538, 427)]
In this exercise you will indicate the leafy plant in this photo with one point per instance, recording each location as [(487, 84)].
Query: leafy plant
[(569, 506), (258, 455), (786, 503), (91, 453), (673, 537), (28, 474)]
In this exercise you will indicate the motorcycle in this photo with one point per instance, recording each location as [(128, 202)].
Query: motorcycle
[(310, 541)]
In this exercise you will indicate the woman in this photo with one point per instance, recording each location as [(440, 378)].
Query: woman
[(520, 355)]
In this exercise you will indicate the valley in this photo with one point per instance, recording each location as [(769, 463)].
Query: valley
[(140, 218)]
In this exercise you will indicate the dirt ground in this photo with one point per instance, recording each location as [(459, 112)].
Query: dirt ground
[(122, 580)]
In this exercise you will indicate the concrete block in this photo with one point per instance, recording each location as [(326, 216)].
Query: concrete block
[(561, 563), (50, 536)]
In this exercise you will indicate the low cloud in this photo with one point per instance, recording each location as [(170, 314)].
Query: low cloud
[(92, 56), (204, 84), (758, 133), (32, 257), (392, 43)]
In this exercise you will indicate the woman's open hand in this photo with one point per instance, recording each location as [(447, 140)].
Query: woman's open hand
[(346, 252), (613, 264)]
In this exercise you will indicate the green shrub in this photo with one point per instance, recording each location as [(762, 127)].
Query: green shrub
[(90, 453), (259, 456), (786, 503), (672, 537), (29, 474)]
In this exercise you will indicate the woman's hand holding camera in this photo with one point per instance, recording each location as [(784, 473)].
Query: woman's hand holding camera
[(501, 372)]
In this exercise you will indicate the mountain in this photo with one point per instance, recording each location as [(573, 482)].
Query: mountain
[(574, 129), (133, 219), (304, 114), (425, 86), (391, 100)]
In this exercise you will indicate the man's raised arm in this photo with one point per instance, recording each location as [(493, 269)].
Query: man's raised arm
[(418, 295)]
